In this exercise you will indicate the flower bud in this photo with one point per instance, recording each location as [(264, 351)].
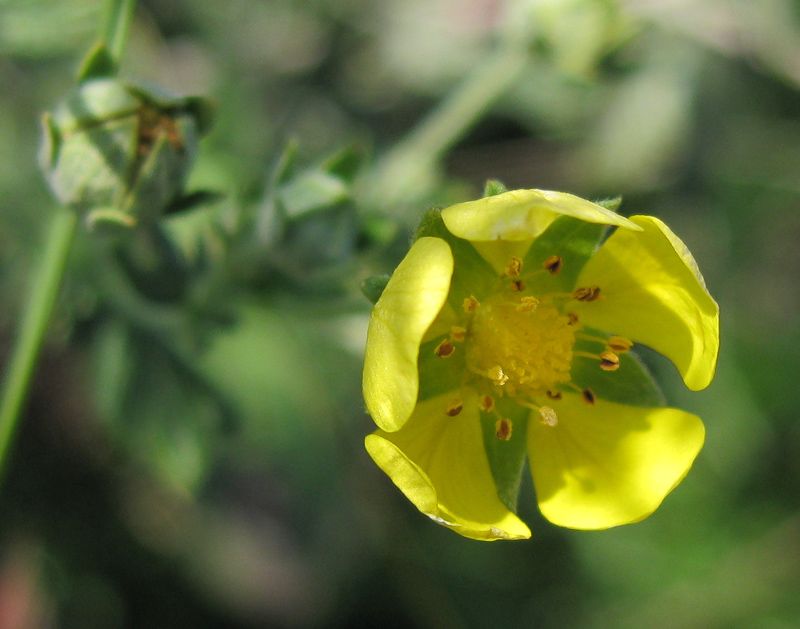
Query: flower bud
[(117, 153)]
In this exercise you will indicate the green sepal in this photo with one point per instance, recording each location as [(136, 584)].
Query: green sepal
[(493, 187), (472, 274), (610, 204), (438, 375), (373, 287), (507, 458), (574, 241), (630, 384), (97, 64)]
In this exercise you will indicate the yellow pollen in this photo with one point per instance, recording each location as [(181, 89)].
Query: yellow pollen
[(552, 265), (587, 293), (444, 349), (514, 267), (529, 351), (470, 304), (609, 361), (454, 408), (548, 416), (497, 375), (503, 428), (528, 304), (486, 404), (619, 344), (457, 333)]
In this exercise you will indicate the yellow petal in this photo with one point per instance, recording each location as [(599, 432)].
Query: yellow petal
[(522, 215), (609, 464), (654, 294), (440, 464), (409, 304)]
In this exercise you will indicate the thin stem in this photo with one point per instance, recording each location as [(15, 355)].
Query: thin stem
[(44, 291), (407, 171), (117, 26)]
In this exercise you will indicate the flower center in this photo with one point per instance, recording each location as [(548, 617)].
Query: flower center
[(520, 344)]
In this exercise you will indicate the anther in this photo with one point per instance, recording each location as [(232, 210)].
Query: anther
[(554, 395), (548, 416), (497, 375), (588, 397), (586, 293), (572, 317), (486, 403), (503, 429), (517, 286), (454, 408), (471, 304), (528, 304), (609, 361), (552, 265), (514, 267), (444, 349), (457, 333), (619, 344)]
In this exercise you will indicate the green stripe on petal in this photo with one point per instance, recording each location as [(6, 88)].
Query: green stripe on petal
[(522, 215), (609, 464), (654, 294), (409, 304), (440, 464)]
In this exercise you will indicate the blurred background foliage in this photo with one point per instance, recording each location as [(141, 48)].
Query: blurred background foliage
[(191, 453)]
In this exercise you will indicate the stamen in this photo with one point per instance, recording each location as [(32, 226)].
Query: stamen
[(497, 375), (589, 397), (587, 293), (457, 333), (503, 428), (528, 304), (444, 349), (454, 407), (554, 395), (486, 404), (552, 265), (471, 304), (609, 361), (548, 416), (619, 344), (517, 286), (514, 267), (573, 318)]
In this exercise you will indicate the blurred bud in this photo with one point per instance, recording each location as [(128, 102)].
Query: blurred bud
[(119, 154)]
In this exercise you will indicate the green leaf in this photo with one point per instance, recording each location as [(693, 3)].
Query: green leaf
[(372, 287), (507, 458), (345, 164), (631, 384), (311, 191), (98, 64)]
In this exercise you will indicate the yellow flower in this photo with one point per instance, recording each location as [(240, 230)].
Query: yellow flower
[(504, 333)]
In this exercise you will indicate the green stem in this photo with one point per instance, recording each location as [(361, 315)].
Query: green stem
[(409, 170), (44, 291), (117, 26)]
